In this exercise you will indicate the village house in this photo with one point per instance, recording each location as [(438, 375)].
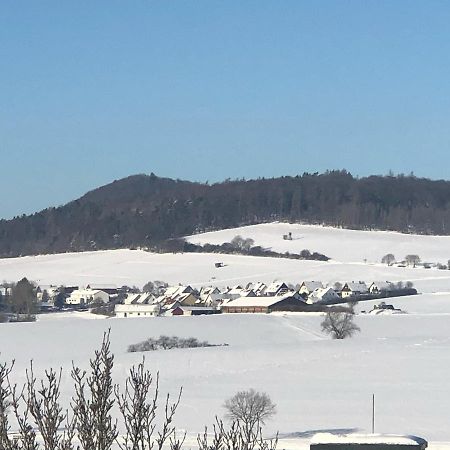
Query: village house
[(84, 297), (378, 287), (259, 288), (323, 295), (307, 287), (276, 288), (137, 310), (111, 290), (207, 291), (266, 304), (354, 289)]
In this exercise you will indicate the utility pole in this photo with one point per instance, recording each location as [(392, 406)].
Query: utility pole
[(373, 413)]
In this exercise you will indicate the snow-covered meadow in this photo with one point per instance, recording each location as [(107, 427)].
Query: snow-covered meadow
[(317, 383), (348, 250)]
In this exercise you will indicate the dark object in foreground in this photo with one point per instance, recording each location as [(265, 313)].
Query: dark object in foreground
[(328, 441)]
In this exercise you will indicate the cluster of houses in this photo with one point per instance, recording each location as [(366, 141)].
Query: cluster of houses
[(252, 298), (185, 300)]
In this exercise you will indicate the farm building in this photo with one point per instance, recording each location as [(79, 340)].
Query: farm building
[(328, 441), (137, 310), (287, 302)]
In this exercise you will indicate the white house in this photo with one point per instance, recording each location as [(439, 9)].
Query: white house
[(276, 288), (83, 297), (354, 289), (380, 286), (323, 295), (259, 288), (307, 287)]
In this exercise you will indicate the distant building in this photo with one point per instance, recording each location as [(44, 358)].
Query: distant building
[(84, 297), (323, 295), (265, 304), (354, 289), (109, 289), (137, 310), (276, 288), (378, 287), (307, 287)]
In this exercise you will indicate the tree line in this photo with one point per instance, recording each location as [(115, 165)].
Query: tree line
[(142, 210)]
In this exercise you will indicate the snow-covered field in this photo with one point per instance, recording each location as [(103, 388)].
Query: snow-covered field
[(316, 382), (338, 244)]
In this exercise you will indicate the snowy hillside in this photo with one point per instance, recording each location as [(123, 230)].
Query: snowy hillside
[(134, 267), (317, 383), (338, 244)]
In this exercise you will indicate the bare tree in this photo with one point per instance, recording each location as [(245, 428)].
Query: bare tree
[(249, 409), (234, 438), (48, 414), (339, 325), (5, 405), (388, 259), (139, 411), (412, 260), (94, 399)]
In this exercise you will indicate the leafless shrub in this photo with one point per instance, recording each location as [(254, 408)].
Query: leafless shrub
[(48, 414), (138, 407), (5, 405), (168, 343), (94, 399)]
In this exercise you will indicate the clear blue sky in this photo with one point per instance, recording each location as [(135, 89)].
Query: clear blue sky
[(93, 91)]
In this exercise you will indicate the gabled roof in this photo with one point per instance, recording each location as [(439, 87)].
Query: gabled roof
[(275, 287), (382, 285), (259, 287), (262, 301), (321, 292), (311, 285), (359, 286)]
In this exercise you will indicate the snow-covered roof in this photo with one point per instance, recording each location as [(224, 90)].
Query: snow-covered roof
[(275, 287), (358, 286), (321, 292), (312, 285), (387, 439), (259, 287), (382, 285), (260, 301), (137, 308), (86, 292)]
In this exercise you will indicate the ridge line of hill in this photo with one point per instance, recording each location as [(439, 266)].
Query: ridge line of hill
[(144, 210)]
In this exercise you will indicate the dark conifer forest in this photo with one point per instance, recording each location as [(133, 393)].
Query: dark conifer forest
[(144, 210)]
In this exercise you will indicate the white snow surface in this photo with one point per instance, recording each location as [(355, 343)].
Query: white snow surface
[(336, 243), (317, 383), (136, 267)]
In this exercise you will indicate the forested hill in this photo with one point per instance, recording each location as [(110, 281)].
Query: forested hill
[(143, 209)]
